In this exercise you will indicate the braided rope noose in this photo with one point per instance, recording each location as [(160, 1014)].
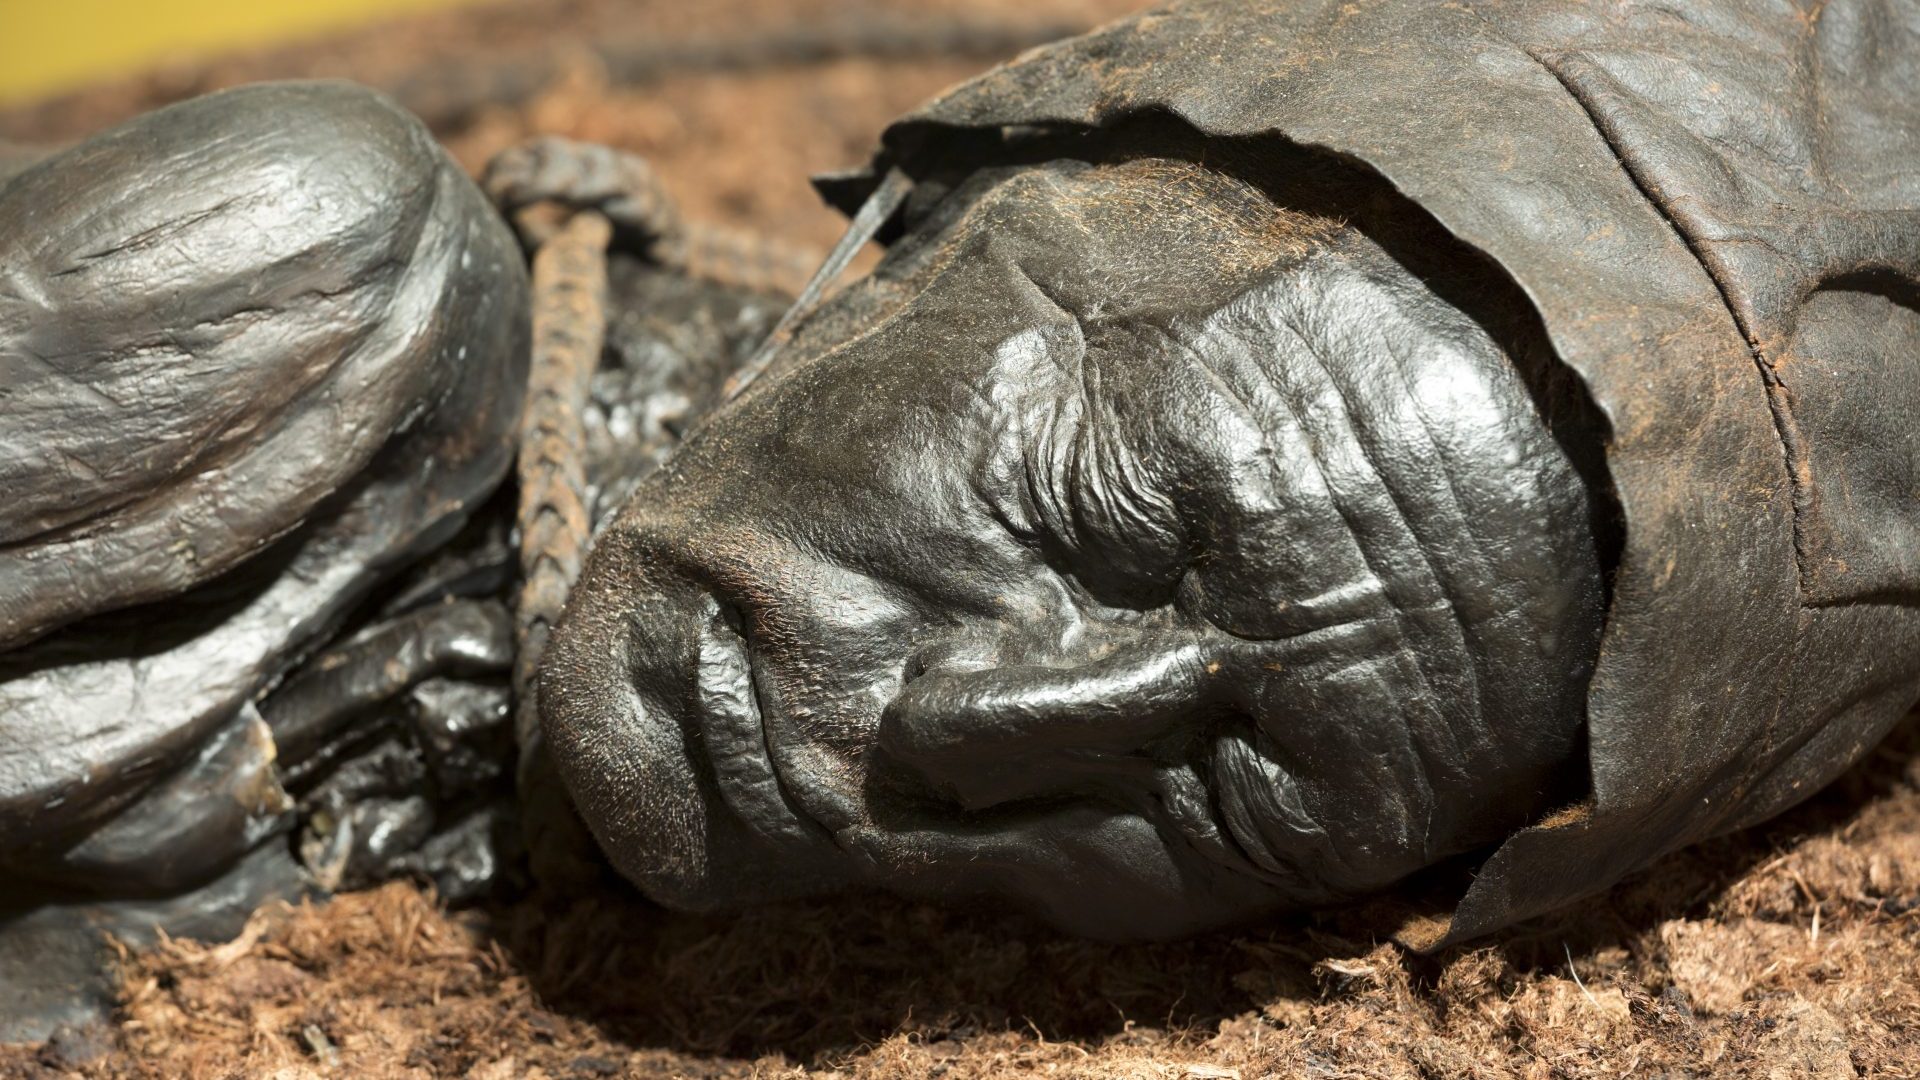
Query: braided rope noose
[(573, 200), (614, 197), (569, 330)]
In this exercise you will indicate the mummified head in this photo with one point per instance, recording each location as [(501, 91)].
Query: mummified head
[(1132, 544)]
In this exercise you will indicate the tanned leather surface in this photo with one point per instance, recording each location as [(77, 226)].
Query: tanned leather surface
[(1715, 209), (257, 352)]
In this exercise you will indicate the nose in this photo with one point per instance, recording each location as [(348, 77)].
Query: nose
[(607, 709), (993, 735)]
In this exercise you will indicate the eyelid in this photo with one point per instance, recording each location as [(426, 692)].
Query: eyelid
[(1108, 505), (1065, 475)]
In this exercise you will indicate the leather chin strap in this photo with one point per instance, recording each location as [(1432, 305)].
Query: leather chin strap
[(874, 213)]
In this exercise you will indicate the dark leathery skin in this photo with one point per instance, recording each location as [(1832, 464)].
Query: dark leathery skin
[(463, 729), (1129, 545), (350, 680), (142, 456), (189, 829), (387, 753), (1712, 206)]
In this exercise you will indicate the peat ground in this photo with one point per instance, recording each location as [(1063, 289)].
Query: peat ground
[(1791, 950)]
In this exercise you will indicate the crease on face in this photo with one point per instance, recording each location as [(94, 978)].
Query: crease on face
[(1160, 537)]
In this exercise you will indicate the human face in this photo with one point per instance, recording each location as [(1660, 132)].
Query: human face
[(1129, 546)]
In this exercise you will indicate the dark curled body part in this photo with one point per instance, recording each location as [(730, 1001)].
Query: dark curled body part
[(358, 670), (1289, 447), (344, 684), (391, 738), (283, 372), (188, 829), (259, 352)]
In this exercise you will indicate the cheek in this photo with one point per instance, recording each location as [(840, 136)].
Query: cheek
[(830, 645), (834, 627)]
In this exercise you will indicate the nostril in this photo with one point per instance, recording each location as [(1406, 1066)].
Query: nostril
[(727, 614), (945, 655), (915, 667)]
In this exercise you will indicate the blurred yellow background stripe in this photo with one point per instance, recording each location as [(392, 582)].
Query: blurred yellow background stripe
[(47, 46)]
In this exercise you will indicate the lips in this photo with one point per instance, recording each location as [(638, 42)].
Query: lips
[(728, 714), (648, 701), (704, 788)]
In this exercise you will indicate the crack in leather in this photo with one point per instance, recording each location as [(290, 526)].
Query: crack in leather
[(1579, 80)]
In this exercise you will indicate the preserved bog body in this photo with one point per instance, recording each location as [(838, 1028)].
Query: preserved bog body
[(1288, 446), (1285, 449)]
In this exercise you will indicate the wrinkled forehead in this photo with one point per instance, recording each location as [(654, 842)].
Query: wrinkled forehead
[(1016, 250), (973, 330), (1147, 237)]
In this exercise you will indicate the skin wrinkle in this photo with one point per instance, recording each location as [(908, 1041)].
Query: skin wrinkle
[(1464, 521), (776, 677), (1175, 799), (1250, 417), (1204, 363), (1194, 808), (1421, 748), (152, 236), (1142, 508), (1432, 767), (1326, 854), (1021, 431), (1434, 762), (1246, 836), (1484, 582), (972, 549), (762, 796), (1141, 524)]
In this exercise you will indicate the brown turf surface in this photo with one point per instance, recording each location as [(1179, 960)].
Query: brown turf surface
[(1792, 950), (1789, 951)]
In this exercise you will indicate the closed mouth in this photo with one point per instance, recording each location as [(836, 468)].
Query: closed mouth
[(1183, 803), (729, 716), (1187, 808)]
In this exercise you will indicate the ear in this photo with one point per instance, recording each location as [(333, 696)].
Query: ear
[(991, 735)]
